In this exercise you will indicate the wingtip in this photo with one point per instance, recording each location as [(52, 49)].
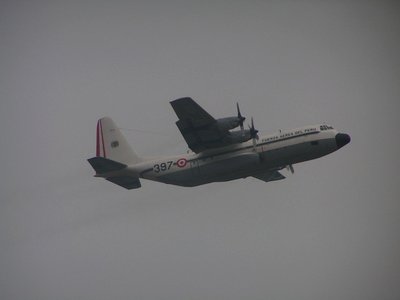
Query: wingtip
[(181, 99)]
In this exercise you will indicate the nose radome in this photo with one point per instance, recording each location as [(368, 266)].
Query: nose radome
[(342, 139)]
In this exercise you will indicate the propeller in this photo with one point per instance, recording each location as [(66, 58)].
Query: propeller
[(290, 168), (253, 133), (240, 118)]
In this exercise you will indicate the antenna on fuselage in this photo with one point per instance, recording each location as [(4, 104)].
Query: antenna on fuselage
[(290, 168)]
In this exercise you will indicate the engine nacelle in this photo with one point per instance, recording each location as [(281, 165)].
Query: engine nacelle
[(239, 136), (228, 123)]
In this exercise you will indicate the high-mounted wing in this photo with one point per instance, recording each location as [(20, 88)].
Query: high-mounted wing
[(187, 108), (199, 129)]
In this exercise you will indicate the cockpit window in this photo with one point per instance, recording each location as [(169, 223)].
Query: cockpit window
[(325, 127)]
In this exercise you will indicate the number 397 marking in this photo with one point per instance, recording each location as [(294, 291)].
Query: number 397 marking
[(162, 167)]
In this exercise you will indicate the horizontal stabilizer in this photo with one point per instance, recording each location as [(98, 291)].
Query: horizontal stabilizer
[(104, 165), (270, 176), (127, 182)]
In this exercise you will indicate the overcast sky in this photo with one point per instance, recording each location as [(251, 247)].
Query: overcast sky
[(330, 231)]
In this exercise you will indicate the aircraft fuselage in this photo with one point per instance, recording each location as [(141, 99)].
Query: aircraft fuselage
[(271, 153)]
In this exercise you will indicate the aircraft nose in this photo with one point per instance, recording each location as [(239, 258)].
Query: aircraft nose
[(342, 139)]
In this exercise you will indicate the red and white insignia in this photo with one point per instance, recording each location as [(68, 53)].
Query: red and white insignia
[(181, 162)]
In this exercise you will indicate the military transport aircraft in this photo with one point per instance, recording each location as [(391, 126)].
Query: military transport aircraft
[(218, 154)]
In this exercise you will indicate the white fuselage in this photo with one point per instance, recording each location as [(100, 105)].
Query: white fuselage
[(272, 152)]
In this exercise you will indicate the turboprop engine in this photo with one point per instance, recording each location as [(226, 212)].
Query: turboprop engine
[(232, 122), (240, 136)]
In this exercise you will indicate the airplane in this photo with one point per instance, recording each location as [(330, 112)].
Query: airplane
[(217, 153)]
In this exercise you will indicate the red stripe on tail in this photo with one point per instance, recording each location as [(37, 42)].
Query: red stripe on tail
[(98, 139), (102, 139)]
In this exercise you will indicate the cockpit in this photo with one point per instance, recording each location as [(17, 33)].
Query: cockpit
[(325, 127)]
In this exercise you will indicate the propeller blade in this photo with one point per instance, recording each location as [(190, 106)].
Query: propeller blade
[(240, 118), (253, 131), (253, 134), (238, 110)]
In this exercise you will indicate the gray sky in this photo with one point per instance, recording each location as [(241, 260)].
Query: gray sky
[(330, 231)]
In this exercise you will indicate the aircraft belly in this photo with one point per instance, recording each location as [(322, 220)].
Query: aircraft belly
[(238, 162), (213, 169), (182, 178), (240, 165)]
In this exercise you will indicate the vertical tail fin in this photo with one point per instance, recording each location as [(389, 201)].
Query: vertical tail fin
[(111, 144)]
